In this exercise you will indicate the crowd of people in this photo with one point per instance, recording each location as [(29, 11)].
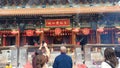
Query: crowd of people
[(41, 57)]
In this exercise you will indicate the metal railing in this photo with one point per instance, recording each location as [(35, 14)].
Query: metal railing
[(18, 56), (94, 53)]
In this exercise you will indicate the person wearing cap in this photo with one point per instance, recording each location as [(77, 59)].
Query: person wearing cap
[(63, 60)]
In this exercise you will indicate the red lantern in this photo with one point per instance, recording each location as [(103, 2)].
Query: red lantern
[(85, 31), (4, 35), (29, 32), (58, 31), (100, 30), (76, 30)]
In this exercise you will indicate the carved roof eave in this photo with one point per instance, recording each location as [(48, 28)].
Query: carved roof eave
[(42, 11)]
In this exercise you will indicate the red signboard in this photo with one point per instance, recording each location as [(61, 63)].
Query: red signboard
[(57, 22)]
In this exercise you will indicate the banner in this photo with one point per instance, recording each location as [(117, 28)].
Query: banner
[(57, 22)]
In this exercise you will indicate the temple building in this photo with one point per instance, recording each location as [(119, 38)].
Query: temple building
[(80, 22)]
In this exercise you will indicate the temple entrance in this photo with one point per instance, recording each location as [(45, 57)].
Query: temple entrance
[(82, 39), (58, 40), (10, 40), (64, 38), (32, 40)]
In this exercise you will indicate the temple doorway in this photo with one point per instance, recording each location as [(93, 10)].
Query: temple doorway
[(10, 40), (32, 40), (58, 40)]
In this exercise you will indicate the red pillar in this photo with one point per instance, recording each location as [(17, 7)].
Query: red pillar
[(4, 40)]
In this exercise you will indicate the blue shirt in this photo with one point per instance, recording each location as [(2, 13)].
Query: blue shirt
[(62, 61)]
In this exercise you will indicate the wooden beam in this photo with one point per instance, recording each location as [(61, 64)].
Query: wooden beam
[(41, 11)]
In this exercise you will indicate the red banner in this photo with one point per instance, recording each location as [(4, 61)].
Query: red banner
[(57, 22)]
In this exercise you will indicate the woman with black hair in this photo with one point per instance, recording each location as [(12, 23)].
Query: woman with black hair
[(40, 58), (110, 59), (34, 59)]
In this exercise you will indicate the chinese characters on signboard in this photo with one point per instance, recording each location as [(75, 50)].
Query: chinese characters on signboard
[(57, 22)]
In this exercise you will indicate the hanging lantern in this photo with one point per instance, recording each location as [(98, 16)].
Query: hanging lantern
[(85, 31), (29, 32), (14, 31), (58, 31), (76, 30), (4, 36), (101, 29)]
